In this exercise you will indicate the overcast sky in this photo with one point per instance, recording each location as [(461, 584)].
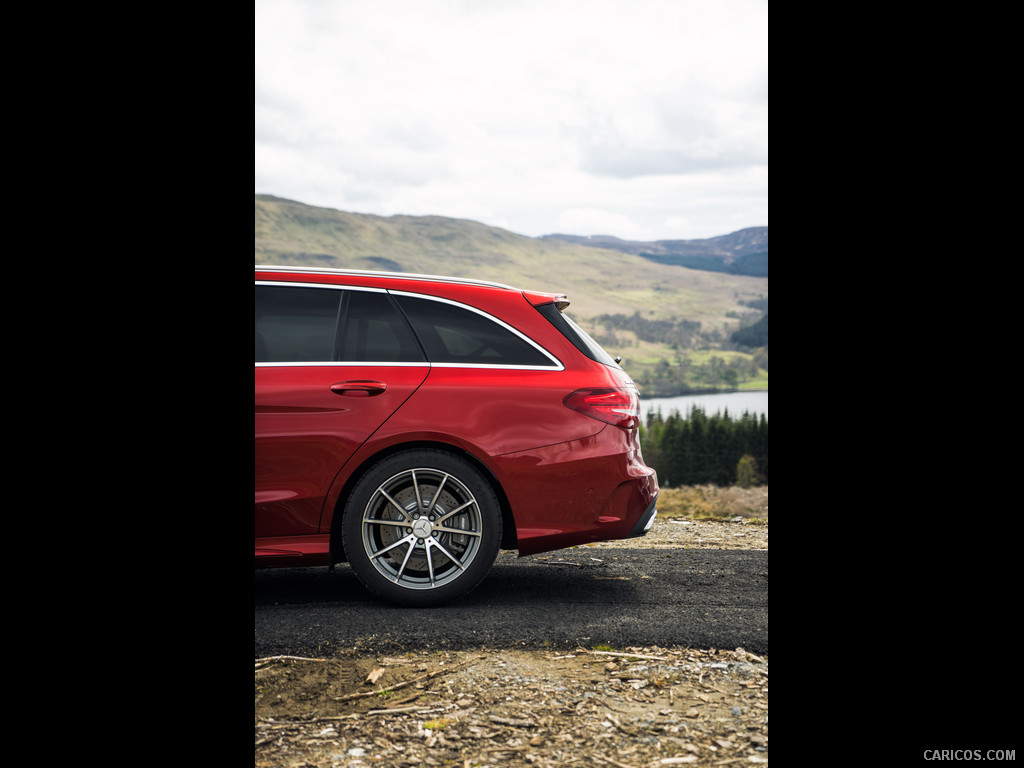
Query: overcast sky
[(643, 119)]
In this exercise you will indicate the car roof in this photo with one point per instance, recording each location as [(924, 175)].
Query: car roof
[(372, 273), (534, 297)]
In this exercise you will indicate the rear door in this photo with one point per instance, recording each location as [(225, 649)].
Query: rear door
[(332, 365)]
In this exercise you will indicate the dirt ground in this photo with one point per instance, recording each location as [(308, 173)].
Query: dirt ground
[(625, 707)]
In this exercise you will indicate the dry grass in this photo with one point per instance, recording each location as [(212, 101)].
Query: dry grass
[(704, 502)]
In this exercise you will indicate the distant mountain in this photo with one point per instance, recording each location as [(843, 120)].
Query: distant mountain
[(741, 253), (597, 279)]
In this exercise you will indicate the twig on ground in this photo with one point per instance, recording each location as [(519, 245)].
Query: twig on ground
[(272, 659), (627, 655), (407, 683)]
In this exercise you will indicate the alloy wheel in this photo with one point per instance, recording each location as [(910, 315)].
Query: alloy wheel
[(421, 528)]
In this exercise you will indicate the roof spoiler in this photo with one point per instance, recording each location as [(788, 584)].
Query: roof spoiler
[(537, 298)]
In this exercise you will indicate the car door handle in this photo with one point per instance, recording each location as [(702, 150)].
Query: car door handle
[(359, 388)]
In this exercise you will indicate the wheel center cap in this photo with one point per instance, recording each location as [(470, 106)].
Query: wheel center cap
[(422, 527)]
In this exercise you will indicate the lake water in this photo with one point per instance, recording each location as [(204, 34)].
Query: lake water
[(754, 403)]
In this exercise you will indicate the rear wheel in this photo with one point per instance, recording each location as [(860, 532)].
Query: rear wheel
[(422, 528)]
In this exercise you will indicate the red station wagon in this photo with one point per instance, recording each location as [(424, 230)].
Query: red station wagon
[(412, 426)]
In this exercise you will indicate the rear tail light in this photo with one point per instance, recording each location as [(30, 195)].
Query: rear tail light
[(619, 406)]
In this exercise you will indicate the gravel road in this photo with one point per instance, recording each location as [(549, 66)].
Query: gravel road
[(377, 703)]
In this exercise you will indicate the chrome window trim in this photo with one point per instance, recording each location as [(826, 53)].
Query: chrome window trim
[(489, 367), (332, 286), (343, 363), (371, 364)]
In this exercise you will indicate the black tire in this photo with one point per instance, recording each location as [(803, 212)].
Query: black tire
[(422, 528)]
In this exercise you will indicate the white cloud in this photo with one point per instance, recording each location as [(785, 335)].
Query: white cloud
[(521, 114)]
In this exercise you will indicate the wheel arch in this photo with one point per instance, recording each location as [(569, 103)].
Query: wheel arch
[(509, 538)]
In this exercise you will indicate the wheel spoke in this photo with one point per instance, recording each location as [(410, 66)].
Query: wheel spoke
[(430, 559), (416, 488), (437, 493), (410, 540), (395, 504), (445, 552), (458, 531), (455, 511), (405, 562), (385, 521)]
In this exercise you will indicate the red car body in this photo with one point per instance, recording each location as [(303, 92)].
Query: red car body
[(554, 435)]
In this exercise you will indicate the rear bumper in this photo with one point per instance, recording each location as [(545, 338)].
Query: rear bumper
[(577, 493), (646, 521)]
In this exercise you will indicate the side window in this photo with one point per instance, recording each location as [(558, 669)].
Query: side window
[(375, 331), (295, 324), (453, 334), (580, 339)]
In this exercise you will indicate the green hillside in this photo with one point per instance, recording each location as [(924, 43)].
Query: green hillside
[(599, 283)]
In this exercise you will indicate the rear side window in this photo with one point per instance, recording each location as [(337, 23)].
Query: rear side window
[(580, 338), (295, 324), (457, 335)]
